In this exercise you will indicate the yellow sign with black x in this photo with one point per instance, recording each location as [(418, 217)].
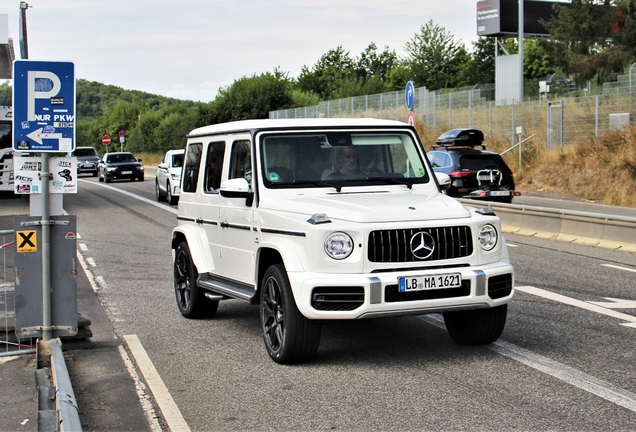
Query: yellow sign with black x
[(27, 241)]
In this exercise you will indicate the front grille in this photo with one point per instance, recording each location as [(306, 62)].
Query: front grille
[(395, 245), (499, 286), (392, 293), (337, 298)]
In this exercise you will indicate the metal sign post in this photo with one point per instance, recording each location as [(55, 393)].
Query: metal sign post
[(44, 121)]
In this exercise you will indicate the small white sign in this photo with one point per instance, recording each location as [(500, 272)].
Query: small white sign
[(27, 172)]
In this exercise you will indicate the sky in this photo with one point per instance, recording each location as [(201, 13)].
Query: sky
[(189, 49)]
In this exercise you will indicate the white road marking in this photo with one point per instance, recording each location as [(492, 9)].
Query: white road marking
[(572, 376), (619, 267), (91, 262), (512, 245), (161, 394), (83, 247), (101, 281), (132, 195), (565, 373), (615, 303), (631, 320), (87, 272), (141, 391)]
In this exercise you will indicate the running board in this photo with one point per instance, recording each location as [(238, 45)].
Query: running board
[(226, 287)]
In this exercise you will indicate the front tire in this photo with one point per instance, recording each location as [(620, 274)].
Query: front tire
[(191, 300), (172, 200), (289, 336), (477, 326)]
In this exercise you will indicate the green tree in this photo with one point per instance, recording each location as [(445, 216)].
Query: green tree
[(6, 94), (252, 98), (326, 76), (593, 38), (435, 58), (537, 63)]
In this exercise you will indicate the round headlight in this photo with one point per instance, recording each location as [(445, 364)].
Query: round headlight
[(338, 245), (487, 237)]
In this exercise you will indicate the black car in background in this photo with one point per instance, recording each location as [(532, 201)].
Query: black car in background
[(120, 166), (474, 171), (87, 160)]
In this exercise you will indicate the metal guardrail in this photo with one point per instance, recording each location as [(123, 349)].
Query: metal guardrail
[(57, 406), (599, 229)]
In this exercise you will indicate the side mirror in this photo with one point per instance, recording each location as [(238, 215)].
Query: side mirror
[(444, 180), (138, 160), (161, 165), (237, 188)]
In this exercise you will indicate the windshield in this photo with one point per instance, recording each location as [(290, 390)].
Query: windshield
[(122, 157), (85, 152), (341, 158)]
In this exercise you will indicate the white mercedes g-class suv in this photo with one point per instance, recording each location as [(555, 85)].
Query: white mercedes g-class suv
[(331, 219)]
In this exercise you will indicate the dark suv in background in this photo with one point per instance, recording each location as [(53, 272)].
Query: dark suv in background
[(475, 172), (87, 160)]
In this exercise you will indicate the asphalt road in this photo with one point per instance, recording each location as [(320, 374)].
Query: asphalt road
[(562, 363)]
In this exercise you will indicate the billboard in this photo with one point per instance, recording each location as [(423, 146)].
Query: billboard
[(501, 17)]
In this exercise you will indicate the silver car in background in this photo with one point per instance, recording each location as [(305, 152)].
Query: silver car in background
[(168, 182)]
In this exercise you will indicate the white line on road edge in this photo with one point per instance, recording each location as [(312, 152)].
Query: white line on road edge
[(631, 320), (578, 379), (619, 267), (87, 272), (166, 404), (132, 195), (140, 387)]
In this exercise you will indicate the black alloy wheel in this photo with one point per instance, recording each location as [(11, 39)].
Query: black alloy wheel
[(289, 336), (191, 300)]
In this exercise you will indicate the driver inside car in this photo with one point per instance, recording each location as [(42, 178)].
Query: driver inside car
[(348, 160)]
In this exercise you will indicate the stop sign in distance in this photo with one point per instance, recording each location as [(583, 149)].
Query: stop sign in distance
[(106, 140)]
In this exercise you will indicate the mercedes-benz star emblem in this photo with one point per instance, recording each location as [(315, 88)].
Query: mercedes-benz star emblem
[(422, 245)]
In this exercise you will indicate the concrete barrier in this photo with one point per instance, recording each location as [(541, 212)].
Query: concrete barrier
[(596, 229)]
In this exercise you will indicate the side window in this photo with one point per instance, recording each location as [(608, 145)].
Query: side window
[(214, 166), (241, 160), (191, 169)]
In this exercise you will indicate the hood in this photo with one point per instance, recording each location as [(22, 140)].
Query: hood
[(372, 207), (88, 158)]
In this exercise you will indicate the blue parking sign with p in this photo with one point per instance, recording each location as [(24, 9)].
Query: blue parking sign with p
[(43, 106)]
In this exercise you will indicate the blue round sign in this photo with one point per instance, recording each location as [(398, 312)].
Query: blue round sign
[(410, 95)]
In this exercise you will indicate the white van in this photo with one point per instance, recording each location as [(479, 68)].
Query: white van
[(332, 219)]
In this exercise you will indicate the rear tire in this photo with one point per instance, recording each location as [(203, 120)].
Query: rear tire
[(158, 193), (191, 299), (477, 326), (289, 336)]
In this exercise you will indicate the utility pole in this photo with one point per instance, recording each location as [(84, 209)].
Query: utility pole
[(521, 51)]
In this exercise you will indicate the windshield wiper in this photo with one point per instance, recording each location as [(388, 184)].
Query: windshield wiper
[(313, 182), (387, 179)]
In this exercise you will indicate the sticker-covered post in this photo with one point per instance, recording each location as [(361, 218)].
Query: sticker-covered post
[(44, 121)]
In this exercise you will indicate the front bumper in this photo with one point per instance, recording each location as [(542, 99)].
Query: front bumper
[(376, 295)]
